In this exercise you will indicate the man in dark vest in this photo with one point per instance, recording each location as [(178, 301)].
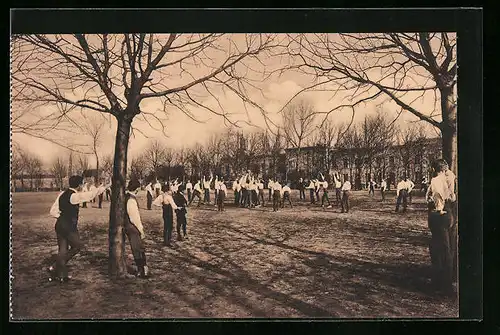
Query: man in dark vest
[(66, 209), (134, 229)]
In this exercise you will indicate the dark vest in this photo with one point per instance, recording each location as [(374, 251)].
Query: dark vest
[(127, 218), (69, 212)]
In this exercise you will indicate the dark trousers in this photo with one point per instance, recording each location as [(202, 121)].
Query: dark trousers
[(325, 198), (236, 198), (338, 195), (382, 192), (254, 197), (196, 194), (402, 198), (181, 222), (270, 195), (216, 192), (67, 237), (207, 196), (372, 190), (442, 250), (286, 196), (245, 198), (220, 200), (108, 195), (189, 194), (410, 196), (167, 224), (261, 198), (345, 201), (276, 200), (302, 194), (149, 199), (137, 246), (311, 195), (101, 197), (84, 205)]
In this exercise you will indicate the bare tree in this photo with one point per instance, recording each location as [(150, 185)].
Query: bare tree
[(411, 143), (59, 170), (367, 140), (94, 127), (138, 167), (82, 164), (154, 156), (298, 125), (401, 67), (107, 165), (18, 164), (33, 169), (115, 74)]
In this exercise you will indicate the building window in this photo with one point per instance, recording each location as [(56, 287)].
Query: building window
[(346, 163)]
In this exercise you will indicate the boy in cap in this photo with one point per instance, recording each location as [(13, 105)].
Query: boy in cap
[(135, 230)]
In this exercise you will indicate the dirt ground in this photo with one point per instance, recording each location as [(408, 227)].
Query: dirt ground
[(299, 262)]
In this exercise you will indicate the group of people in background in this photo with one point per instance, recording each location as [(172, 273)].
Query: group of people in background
[(249, 192)]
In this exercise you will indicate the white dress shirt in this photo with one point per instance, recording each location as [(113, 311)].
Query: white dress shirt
[(197, 187), (222, 187), (346, 186), (276, 186), (166, 199), (189, 186), (311, 185), (149, 189), (76, 198), (325, 185), (133, 214), (404, 185), (270, 184), (260, 186), (158, 186), (286, 188), (439, 191), (383, 185)]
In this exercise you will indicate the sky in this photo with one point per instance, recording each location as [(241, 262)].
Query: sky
[(182, 131)]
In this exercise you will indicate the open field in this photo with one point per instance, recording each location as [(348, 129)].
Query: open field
[(299, 262)]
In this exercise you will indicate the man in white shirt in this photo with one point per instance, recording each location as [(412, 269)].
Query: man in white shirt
[(270, 188), (402, 190), (411, 186), (443, 246), (236, 191), (383, 188), (285, 194), (260, 189), (66, 210), (85, 188), (221, 195), (166, 201), (276, 195), (206, 188), (346, 190), (311, 189), (338, 189), (135, 230), (324, 197), (189, 189), (157, 188), (149, 195), (196, 193)]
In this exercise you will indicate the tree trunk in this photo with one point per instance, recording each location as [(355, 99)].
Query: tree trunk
[(117, 213), (449, 128)]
